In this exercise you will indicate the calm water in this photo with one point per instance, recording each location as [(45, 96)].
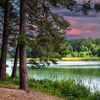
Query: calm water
[(87, 71)]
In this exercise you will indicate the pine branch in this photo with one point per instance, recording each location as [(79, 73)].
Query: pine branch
[(15, 19), (42, 23), (47, 8), (36, 24)]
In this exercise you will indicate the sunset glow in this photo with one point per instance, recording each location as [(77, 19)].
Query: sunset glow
[(82, 26)]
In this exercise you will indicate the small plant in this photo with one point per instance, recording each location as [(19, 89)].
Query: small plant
[(7, 65), (96, 96)]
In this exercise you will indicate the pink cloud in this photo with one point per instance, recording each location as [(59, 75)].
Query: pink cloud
[(93, 1), (84, 26), (74, 31), (60, 14), (64, 10)]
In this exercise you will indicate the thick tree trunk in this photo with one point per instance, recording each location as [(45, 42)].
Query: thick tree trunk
[(15, 62), (23, 65), (4, 43)]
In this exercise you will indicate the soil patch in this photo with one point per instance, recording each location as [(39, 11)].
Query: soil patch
[(17, 94)]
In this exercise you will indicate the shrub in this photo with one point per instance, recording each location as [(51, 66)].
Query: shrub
[(82, 54), (74, 54)]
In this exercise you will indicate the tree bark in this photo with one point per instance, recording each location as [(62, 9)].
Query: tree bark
[(15, 62), (4, 43), (23, 65)]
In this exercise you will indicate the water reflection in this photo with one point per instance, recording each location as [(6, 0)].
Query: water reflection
[(87, 71)]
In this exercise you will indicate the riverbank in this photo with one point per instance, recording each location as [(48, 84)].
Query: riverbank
[(70, 59), (82, 59), (67, 90)]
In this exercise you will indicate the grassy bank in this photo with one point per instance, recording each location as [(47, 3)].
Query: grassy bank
[(70, 59), (82, 59), (69, 89)]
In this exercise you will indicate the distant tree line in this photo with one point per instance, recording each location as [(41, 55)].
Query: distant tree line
[(76, 48), (11, 54), (84, 47)]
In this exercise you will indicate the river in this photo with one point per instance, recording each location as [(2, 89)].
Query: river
[(87, 71)]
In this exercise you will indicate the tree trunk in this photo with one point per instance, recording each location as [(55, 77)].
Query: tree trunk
[(23, 65), (15, 62), (4, 43)]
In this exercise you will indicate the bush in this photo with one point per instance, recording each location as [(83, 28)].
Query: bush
[(74, 90), (82, 54), (74, 54), (65, 89), (90, 53)]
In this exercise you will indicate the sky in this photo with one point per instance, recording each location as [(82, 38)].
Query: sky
[(82, 26)]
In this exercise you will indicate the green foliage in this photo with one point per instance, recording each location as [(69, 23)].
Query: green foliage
[(7, 65), (95, 51), (30, 39), (43, 51), (12, 42), (96, 96), (97, 40), (82, 54), (70, 48), (97, 7), (69, 88), (61, 22), (85, 47), (47, 50), (49, 41), (28, 50), (21, 38), (74, 54), (90, 53), (98, 52)]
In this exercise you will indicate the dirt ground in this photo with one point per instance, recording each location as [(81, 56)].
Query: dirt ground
[(17, 94)]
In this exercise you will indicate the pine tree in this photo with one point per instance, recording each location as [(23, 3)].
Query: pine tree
[(5, 39), (15, 62), (23, 65)]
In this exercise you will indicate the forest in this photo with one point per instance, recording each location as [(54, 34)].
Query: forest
[(84, 47), (76, 48)]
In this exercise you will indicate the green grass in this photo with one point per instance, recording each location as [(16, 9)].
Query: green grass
[(69, 89), (81, 59)]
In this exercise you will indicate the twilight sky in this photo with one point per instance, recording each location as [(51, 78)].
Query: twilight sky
[(82, 26)]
